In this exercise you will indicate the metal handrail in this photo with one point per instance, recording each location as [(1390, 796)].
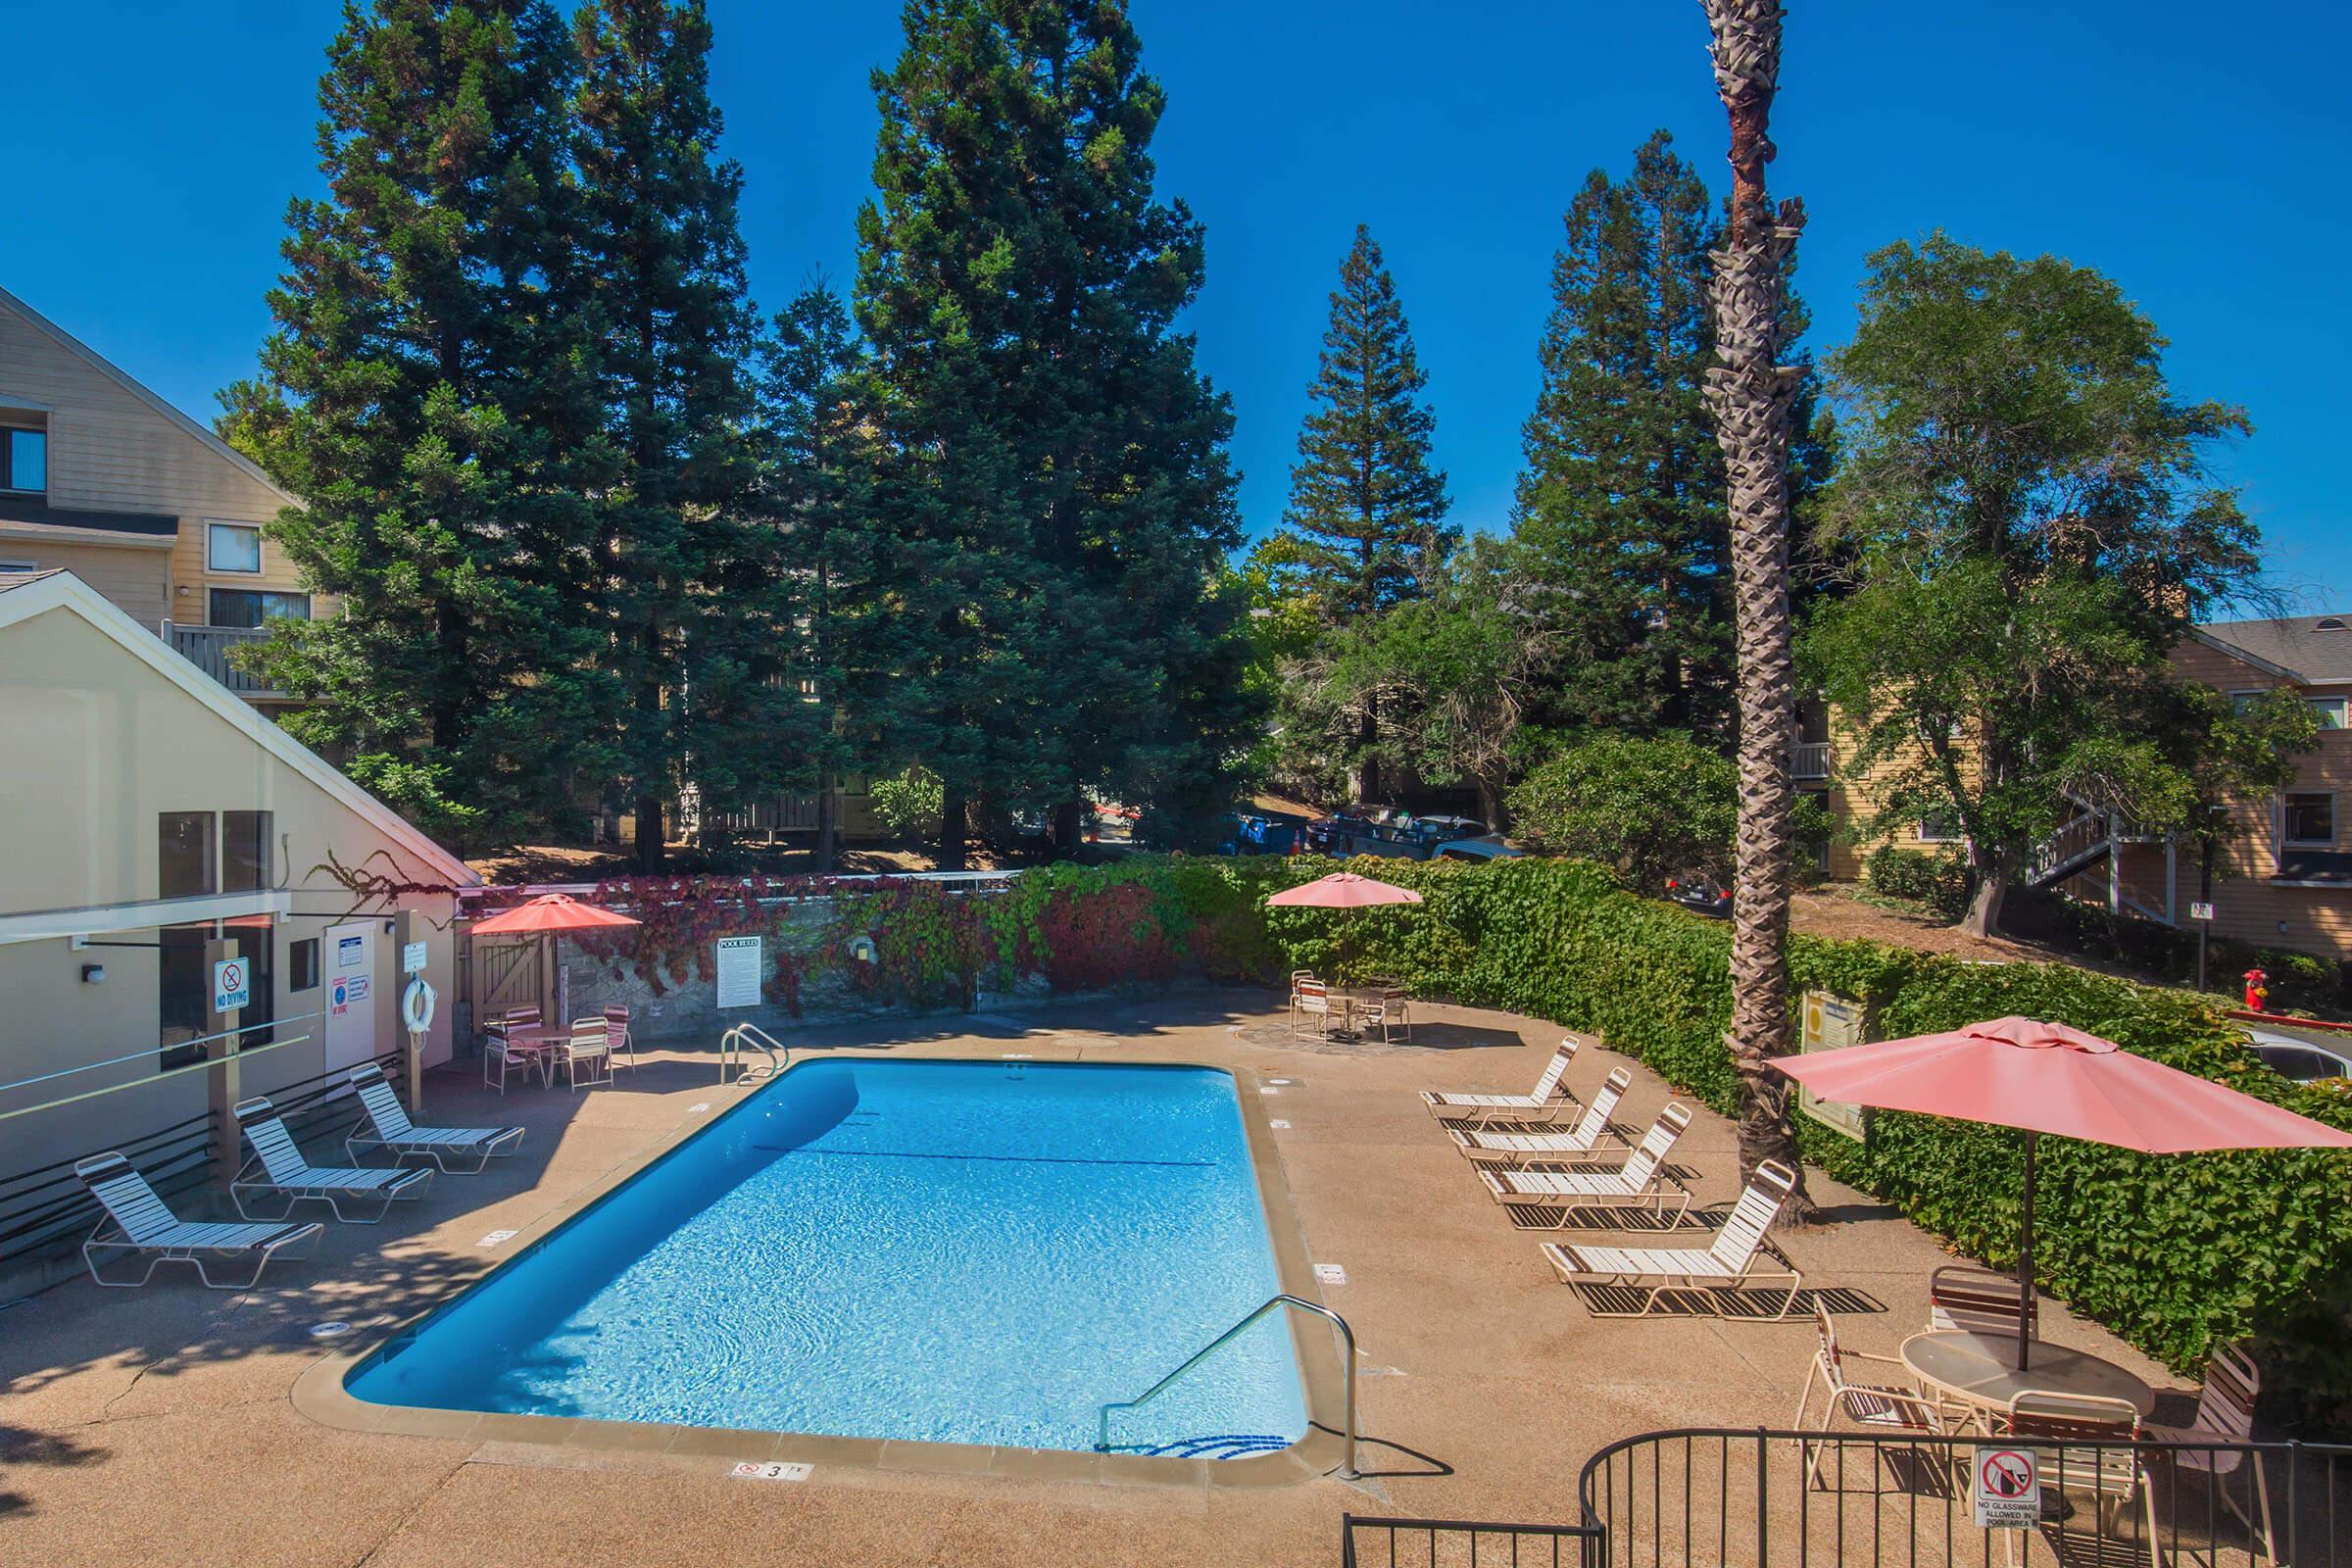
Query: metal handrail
[(1299, 1303), (731, 1044)]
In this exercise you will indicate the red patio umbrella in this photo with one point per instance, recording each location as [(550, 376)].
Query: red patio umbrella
[(1342, 889), (546, 915), (2048, 1078)]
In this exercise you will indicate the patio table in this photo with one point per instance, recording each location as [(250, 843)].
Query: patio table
[(1980, 1371), (550, 1039)]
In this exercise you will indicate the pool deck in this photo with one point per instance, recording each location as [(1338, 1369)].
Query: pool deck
[(162, 1423)]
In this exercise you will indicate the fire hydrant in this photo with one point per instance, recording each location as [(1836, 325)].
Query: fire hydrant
[(2258, 989)]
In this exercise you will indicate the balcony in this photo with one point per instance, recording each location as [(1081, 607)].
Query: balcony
[(1809, 760), (207, 648)]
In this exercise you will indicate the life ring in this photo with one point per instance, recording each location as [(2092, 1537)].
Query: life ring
[(417, 1006)]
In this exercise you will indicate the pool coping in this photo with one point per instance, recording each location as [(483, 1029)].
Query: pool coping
[(319, 1394)]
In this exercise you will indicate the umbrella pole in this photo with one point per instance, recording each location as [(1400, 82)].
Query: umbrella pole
[(2025, 1260)]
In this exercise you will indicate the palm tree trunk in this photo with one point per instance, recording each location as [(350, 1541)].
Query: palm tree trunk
[(1749, 394)]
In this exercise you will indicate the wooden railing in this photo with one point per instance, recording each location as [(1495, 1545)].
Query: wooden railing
[(207, 648)]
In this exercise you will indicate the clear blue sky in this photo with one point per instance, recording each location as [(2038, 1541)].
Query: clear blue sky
[(2197, 157)]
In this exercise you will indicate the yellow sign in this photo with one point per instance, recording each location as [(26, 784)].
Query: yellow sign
[(1830, 1023)]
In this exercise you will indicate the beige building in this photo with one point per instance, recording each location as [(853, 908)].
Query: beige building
[(164, 827), (2285, 880), (103, 478)]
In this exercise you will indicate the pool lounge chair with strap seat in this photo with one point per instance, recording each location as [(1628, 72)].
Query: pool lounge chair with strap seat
[(1488, 1148), (282, 1170), (1550, 1097), (1641, 1182), (1732, 1260), (143, 1225), (385, 1125)]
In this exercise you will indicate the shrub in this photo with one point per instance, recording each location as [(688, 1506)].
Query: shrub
[(909, 805), (1937, 881), (1651, 807)]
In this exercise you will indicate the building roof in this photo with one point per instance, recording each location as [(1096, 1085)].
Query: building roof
[(25, 594), (115, 373), (2312, 650)]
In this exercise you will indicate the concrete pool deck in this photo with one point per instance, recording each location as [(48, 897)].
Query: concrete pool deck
[(161, 1423)]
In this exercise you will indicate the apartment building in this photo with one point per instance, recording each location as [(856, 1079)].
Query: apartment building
[(101, 477)]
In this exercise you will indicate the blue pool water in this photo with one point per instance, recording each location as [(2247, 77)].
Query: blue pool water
[(947, 1252)]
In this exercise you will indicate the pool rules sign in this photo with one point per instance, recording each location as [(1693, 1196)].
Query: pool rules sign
[(2008, 1490), (738, 971)]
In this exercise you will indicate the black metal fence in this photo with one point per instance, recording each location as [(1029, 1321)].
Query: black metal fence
[(1375, 1542), (1758, 1499)]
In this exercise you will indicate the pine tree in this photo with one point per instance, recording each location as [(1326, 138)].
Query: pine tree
[(1621, 506), (820, 495), (1366, 522), (422, 391), (1055, 489), (692, 593)]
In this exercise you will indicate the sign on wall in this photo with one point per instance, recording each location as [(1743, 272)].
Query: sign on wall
[(1830, 1022), (739, 972), (232, 985), (351, 953), (412, 958)]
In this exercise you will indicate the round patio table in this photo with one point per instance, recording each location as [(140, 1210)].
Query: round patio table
[(1980, 1370)]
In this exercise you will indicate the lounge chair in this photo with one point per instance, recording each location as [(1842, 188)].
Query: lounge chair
[(1539, 1103), (386, 1125), (283, 1172), (1731, 1260), (144, 1225), (1517, 1148), (1639, 1183)]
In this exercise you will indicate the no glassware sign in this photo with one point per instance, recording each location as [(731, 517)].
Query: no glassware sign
[(2008, 1490)]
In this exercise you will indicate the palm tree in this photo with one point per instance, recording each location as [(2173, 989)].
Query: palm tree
[(1750, 393)]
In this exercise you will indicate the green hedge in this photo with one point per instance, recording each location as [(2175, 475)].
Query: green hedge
[(2170, 1252)]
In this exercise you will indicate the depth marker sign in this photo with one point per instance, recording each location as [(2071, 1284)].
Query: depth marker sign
[(2008, 1490)]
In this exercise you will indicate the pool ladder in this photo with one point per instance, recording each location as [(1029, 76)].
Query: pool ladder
[(1348, 1471), (748, 1037)]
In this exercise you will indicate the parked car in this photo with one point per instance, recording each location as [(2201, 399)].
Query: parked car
[(1702, 894), (2300, 1059), (1481, 847), (1391, 831)]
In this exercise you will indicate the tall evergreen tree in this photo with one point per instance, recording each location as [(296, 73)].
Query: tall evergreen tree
[(1054, 480), (422, 391), (1621, 505), (1365, 530), (691, 590), (819, 495), (1366, 524)]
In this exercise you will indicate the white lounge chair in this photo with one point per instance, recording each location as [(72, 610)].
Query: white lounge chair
[(386, 1125), (1639, 1183), (1731, 1260), (1516, 1149), (283, 1172), (144, 1225), (1547, 1100)]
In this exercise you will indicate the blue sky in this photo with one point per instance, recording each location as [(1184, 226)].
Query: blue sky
[(2200, 164)]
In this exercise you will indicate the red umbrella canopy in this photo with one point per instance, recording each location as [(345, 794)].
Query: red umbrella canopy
[(550, 912), (1343, 890), (2048, 1078)]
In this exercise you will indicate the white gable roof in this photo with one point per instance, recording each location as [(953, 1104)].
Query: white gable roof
[(24, 596)]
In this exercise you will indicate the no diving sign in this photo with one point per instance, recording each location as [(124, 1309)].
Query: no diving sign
[(232, 985), (2008, 1490)]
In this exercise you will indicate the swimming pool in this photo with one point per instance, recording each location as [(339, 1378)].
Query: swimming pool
[(939, 1252)]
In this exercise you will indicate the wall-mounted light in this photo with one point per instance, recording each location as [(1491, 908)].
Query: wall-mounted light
[(93, 974)]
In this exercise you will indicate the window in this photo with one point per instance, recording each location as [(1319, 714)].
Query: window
[(1940, 828), (25, 460), (183, 858), (302, 960), (2330, 711), (232, 547), (182, 994), (2308, 819), (245, 838), (249, 607)]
